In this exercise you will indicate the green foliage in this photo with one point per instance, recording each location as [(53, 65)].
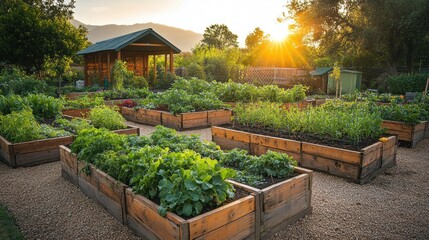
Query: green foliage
[(255, 39), (352, 122), (137, 82), (408, 113), (14, 81), (83, 102), (72, 88), (272, 164), (373, 97), (32, 34), (121, 75), (238, 92), (216, 68), (11, 103), (74, 126), (44, 107), (179, 101), (402, 83), (20, 127), (106, 117), (126, 93), (219, 36), (8, 226), (195, 70)]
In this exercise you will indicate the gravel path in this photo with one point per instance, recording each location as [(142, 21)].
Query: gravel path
[(395, 205)]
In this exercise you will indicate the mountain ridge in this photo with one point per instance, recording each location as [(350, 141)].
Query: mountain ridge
[(185, 40)]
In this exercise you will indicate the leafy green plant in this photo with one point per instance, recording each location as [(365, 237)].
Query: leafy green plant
[(121, 75), (20, 127), (107, 117), (408, 113), (44, 107), (83, 102), (11, 103), (414, 82), (14, 81), (124, 93), (74, 125)]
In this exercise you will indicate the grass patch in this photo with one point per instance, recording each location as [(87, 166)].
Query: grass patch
[(8, 229)]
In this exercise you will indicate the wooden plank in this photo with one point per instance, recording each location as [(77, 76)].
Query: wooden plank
[(219, 113), (221, 216), (88, 184), (6, 146), (228, 144), (111, 194), (36, 158), (68, 158), (391, 141), (141, 230), (80, 113), (269, 232), (238, 229), (372, 167), (231, 134), (41, 145), (129, 114), (282, 192), (334, 167), (343, 155), (427, 130), (142, 211), (389, 155), (372, 153), (375, 173), (283, 212), (194, 115), (277, 143), (147, 116), (259, 150), (171, 121), (213, 121), (417, 137), (128, 131), (195, 123), (7, 158), (398, 126)]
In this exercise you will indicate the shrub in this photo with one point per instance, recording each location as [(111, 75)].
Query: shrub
[(44, 107), (11, 103), (195, 70), (407, 83), (20, 127), (216, 68), (107, 117), (14, 81), (121, 75)]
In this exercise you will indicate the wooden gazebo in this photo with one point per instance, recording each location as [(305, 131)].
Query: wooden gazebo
[(134, 48)]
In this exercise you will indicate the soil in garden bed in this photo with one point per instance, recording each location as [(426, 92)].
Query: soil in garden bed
[(305, 137)]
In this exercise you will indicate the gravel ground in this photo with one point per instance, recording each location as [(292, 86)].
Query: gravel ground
[(395, 205)]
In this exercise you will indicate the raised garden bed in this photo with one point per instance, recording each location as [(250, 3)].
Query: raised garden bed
[(37, 152), (180, 121), (235, 220), (411, 133), (283, 203), (80, 113), (359, 166)]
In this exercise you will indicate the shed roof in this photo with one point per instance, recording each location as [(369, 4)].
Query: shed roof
[(118, 43), (320, 71)]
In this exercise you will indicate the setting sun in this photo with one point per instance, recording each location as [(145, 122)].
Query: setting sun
[(278, 32)]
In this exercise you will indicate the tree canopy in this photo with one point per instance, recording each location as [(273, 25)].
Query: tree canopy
[(219, 36), (35, 33), (387, 31), (256, 38)]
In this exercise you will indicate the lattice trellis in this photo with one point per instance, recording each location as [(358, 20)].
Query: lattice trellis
[(279, 76)]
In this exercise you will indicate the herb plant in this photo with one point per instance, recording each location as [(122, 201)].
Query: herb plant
[(107, 117)]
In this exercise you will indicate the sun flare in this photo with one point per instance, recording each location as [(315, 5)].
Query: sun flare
[(278, 32)]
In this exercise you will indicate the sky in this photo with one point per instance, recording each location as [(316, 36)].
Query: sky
[(241, 16)]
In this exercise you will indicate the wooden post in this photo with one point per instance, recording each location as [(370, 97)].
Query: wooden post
[(108, 67), (165, 66), (85, 69), (100, 69), (119, 55), (154, 67), (171, 62)]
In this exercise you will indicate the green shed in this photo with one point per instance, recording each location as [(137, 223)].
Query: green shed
[(350, 80)]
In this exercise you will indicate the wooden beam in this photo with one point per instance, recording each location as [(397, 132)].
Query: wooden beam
[(147, 45), (85, 69), (172, 62), (119, 55), (165, 66), (108, 67), (154, 67), (100, 69)]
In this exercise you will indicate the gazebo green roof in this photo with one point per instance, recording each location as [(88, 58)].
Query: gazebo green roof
[(320, 71), (118, 43)]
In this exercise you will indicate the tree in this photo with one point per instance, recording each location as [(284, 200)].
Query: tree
[(34, 33), (219, 36), (256, 39), (388, 31)]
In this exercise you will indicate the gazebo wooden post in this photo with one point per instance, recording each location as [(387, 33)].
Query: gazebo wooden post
[(108, 67), (118, 57), (100, 69), (165, 66), (171, 61), (154, 67), (85, 69)]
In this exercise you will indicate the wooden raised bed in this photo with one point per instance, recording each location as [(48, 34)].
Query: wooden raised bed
[(180, 121), (412, 133), (37, 152), (283, 203), (79, 113), (359, 166), (235, 220)]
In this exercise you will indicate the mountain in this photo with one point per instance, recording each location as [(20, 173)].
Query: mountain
[(185, 40)]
